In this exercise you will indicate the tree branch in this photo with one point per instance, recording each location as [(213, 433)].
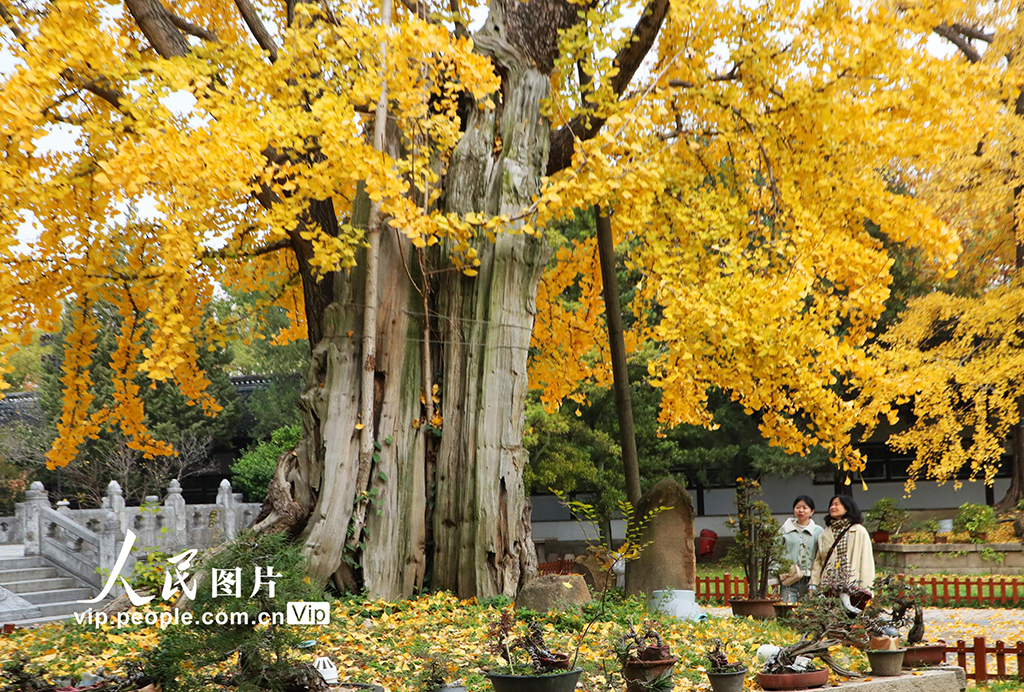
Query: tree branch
[(263, 250), (973, 33), (957, 39), (190, 28), (154, 20), (257, 28), (13, 25), (628, 60), (729, 76)]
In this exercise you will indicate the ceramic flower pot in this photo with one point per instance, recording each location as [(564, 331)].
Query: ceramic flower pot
[(881, 536), (757, 608), (639, 673), (925, 655), (793, 681), (556, 682), (679, 603), (727, 682), (886, 663)]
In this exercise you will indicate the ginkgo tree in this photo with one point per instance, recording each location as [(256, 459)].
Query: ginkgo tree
[(387, 173), (956, 356)]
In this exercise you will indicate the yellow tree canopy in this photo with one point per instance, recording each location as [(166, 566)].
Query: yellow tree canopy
[(957, 355), (741, 190), (741, 165)]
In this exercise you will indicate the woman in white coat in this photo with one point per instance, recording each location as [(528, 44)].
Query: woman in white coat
[(851, 559)]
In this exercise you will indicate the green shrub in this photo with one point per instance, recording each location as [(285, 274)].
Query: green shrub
[(252, 472), (885, 515), (975, 519), (263, 654)]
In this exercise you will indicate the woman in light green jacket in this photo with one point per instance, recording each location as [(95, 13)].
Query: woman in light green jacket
[(799, 537)]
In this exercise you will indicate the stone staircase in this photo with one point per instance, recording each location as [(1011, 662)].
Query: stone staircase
[(42, 585)]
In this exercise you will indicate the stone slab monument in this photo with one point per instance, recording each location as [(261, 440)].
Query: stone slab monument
[(669, 561)]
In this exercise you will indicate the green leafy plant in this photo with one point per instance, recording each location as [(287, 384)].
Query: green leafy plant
[(885, 515), (260, 650), (975, 520), (255, 468), (990, 555), (756, 531)]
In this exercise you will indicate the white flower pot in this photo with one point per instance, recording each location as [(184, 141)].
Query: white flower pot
[(678, 603)]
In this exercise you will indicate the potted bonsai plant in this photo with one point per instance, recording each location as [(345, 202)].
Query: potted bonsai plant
[(647, 661), (540, 670), (757, 548), (437, 675), (897, 606), (976, 521), (886, 518), (725, 676)]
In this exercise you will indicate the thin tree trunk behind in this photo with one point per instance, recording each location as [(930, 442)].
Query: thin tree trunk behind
[(617, 348)]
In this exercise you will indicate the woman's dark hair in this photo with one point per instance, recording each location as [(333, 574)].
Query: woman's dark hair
[(852, 510), (806, 500)]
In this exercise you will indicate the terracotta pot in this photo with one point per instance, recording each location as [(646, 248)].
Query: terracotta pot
[(980, 537), (727, 682), (638, 673), (925, 655), (881, 536), (557, 682), (941, 539), (782, 610), (757, 608), (886, 663), (793, 681)]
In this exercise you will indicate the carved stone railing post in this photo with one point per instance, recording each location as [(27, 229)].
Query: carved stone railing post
[(35, 498), (174, 515), (227, 511), (114, 501), (108, 543)]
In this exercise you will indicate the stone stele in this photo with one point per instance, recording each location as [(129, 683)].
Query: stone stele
[(553, 592), (669, 560)]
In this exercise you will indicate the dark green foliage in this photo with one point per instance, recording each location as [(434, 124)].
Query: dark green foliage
[(255, 468), (756, 532), (264, 652)]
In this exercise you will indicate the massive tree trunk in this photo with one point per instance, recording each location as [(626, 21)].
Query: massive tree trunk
[(480, 516)]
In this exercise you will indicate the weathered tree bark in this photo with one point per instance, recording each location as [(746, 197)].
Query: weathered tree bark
[(481, 516), (617, 347)]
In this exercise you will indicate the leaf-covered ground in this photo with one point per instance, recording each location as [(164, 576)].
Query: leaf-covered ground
[(388, 643)]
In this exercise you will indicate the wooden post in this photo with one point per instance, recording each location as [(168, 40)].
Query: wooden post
[(961, 656), (1000, 659), (1020, 658), (727, 590), (956, 590), (980, 661)]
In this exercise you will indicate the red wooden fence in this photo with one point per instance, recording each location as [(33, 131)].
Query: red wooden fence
[(980, 651), (556, 567), (940, 591)]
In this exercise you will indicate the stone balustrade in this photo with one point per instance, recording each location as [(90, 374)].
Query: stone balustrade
[(85, 542)]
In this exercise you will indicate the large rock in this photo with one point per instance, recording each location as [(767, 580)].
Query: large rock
[(668, 561), (553, 592), (592, 568)]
